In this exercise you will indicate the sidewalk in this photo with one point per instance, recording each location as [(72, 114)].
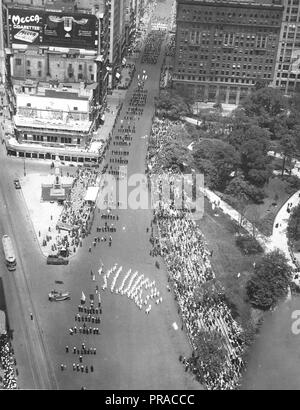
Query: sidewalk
[(279, 239), (6, 126), (213, 198), (43, 215), (294, 171), (279, 236), (114, 104)]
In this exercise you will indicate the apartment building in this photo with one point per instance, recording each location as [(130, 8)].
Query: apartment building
[(224, 47), (287, 70)]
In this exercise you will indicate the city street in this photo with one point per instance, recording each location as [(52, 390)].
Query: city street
[(120, 121), (134, 350)]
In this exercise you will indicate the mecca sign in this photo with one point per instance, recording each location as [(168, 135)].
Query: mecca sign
[(41, 27), (25, 26)]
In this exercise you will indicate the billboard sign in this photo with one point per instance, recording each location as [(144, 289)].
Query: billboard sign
[(25, 26), (40, 27), (70, 30)]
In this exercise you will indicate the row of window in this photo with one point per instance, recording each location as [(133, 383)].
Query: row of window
[(39, 65), (224, 73), (225, 51), (184, 52), (217, 79), (70, 75), (213, 20), (288, 75), (232, 67), (50, 138), (229, 14), (290, 84)]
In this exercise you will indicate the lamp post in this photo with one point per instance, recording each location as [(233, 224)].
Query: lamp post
[(24, 166)]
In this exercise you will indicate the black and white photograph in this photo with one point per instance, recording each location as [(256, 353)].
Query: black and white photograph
[(150, 197)]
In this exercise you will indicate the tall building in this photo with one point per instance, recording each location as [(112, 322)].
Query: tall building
[(56, 70), (287, 70), (224, 47), (3, 73), (117, 38), (129, 21), (56, 75)]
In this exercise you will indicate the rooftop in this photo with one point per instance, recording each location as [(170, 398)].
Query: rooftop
[(234, 3), (55, 90), (69, 6), (52, 124)]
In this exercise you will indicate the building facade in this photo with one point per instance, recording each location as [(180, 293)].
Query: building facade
[(224, 47), (66, 115), (287, 70), (115, 40), (56, 59)]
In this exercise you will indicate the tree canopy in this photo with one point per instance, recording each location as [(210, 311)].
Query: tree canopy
[(265, 104), (270, 281), (217, 160), (174, 156), (171, 105), (241, 189)]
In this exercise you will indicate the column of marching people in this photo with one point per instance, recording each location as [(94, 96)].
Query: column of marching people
[(135, 286), (153, 45), (87, 321), (118, 156)]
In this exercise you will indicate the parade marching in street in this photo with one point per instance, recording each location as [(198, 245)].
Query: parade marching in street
[(133, 285)]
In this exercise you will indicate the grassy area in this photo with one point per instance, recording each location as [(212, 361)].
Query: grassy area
[(227, 260), (277, 193)]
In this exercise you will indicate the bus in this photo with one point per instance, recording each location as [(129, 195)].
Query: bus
[(10, 257)]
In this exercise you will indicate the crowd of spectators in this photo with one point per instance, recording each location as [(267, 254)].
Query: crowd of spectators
[(7, 365), (77, 214), (163, 131), (183, 247)]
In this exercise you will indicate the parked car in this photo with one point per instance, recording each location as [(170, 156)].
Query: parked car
[(55, 296), (56, 260), (17, 184)]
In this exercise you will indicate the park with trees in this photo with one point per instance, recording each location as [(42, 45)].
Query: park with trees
[(232, 152), (269, 284)]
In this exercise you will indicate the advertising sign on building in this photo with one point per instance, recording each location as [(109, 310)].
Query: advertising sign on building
[(76, 30), (25, 26), (38, 27)]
